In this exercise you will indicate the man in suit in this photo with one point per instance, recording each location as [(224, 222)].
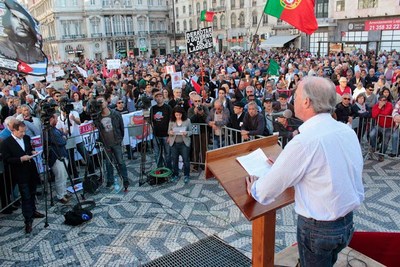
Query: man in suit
[(18, 153)]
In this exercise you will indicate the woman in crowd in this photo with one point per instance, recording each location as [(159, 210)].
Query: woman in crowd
[(77, 102), (386, 92), (363, 112), (166, 95), (130, 99), (293, 84), (180, 130)]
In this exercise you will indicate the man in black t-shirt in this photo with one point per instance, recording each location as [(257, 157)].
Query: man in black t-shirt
[(160, 115)]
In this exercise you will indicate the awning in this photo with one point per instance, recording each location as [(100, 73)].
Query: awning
[(277, 41)]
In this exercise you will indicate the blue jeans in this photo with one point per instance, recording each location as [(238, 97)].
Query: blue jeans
[(374, 134), (117, 152), (165, 157), (180, 149), (218, 141), (27, 192), (320, 242), (395, 142)]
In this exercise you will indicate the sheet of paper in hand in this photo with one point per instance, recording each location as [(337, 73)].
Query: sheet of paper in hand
[(255, 163)]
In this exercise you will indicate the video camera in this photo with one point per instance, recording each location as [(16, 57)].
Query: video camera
[(47, 110), (66, 105), (94, 109), (200, 108)]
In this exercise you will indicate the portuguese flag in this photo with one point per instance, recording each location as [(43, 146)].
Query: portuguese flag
[(206, 16), (298, 13)]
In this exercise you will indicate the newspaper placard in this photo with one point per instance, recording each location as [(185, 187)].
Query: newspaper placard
[(176, 79), (198, 40), (113, 64)]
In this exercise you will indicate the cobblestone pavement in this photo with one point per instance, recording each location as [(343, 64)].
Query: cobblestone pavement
[(129, 229)]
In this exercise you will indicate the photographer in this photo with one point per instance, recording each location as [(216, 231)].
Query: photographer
[(57, 155), (111, 127), (178, 100), (68, 123), (198, 114)]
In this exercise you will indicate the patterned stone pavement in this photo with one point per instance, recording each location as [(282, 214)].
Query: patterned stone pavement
[(129, 229)]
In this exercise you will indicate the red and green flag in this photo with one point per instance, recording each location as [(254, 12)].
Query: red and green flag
[(273, 68), (207, 16), (298, 13)]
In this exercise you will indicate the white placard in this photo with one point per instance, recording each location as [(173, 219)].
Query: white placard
[(176, 79), (113, 64)]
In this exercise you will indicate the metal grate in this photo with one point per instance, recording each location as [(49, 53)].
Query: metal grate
[(208, 252)]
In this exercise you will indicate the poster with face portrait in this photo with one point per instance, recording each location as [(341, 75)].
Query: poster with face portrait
[(20, 40)]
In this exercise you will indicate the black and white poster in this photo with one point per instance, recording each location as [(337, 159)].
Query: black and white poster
[(198, 40), (20, 40)]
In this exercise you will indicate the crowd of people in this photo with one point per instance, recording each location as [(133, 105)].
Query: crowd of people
[(217, 90)]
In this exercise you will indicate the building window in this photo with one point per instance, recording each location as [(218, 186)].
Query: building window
[(321, 9), (241, 4), (92, 2), (319, 43), (254, 16), (340, 5), (107, 24), (359, 39), (95, 24), (184, 9), (184, 26), (190, 25), (241, 20), (129, 25), (254, 3), (205, 5), (198, 8), (190, 10), (390, 40), (151, 3), (215, 23), (222, 3), (119, 24), (178, 28), (233, 20), (233, 4), (367, 4), (177, 12), (222, 20), (265, 19)]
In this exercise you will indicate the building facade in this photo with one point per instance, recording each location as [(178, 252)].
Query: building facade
[(92, 29), (112, 28), (347, 25)]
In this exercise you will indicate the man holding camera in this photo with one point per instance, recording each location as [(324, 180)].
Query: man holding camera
[(111, 128), (198, 115)]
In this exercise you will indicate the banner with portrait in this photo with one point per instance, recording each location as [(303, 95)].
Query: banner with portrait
[(20, 40)]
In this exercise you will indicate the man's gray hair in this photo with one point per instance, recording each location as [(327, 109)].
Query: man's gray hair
[(30, 96), (321, 92)]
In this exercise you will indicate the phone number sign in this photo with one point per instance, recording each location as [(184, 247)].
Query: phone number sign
[(381, 25)]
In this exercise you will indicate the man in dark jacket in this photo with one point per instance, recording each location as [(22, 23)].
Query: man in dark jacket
[(111, 129), (18, 153), (253, 122), (236, 121)]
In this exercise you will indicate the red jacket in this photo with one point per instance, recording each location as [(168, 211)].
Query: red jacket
[(384, 115)]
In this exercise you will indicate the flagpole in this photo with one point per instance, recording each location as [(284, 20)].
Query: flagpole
[(251, 47)]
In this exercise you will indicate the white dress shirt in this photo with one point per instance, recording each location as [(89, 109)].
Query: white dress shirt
[(324, 164), (20, 142)]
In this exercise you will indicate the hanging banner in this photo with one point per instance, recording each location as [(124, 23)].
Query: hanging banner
[(198, 40), (20, 40)]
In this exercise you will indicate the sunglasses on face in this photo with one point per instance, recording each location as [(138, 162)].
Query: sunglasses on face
[(345, 98)]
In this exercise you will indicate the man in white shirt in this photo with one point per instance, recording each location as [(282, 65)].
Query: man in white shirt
[(326, 171)]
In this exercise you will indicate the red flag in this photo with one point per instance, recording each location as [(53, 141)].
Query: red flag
[(195, 85), (104, 72)]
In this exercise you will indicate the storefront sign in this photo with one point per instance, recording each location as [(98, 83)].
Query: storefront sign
[(381, 25)]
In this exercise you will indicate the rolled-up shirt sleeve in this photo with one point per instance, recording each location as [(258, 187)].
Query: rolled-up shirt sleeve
[(284, 173)]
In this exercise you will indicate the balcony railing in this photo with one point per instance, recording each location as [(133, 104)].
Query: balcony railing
[(109, 34), (218, 9), (99, 34), (142, 33), (74, 36)]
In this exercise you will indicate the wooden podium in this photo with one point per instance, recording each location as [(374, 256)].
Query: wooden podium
[(222, 164)]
